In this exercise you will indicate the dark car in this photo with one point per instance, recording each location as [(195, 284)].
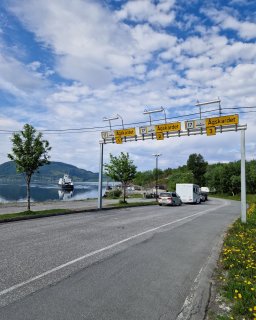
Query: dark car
[(169, 199)]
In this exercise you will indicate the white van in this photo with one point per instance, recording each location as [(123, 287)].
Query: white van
[(188, 192)]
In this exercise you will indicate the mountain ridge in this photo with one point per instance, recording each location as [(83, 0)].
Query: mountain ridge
[(47, 173)]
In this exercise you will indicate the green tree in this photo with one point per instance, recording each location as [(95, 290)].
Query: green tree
[(29, 152), (198, 166), (179, 176), (121, 169)]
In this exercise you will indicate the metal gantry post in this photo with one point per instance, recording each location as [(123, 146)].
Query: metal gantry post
[(100, 177), (243, 178), (156, 155), (156, 177)]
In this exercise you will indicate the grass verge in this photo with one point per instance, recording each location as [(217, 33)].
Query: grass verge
[(236, 275), (46, 213), (133, 204), (30, 214), (251, 198)]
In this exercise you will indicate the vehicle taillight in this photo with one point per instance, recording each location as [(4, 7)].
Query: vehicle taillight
[(169, 198)]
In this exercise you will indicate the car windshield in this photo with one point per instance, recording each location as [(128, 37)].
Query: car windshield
[(165, 194)]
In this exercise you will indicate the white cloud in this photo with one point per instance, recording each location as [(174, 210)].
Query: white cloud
[(18, 79), (150, 40), (146, 11), (245, 29), (113, 67)]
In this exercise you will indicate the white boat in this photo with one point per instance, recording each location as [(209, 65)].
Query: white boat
[(66, 183)]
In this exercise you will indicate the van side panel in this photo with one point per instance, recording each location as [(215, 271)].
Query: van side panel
[(188, 192)]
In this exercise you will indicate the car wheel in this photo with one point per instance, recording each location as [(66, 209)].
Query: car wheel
[(160, 204)]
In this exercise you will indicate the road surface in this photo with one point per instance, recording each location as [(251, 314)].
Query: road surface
[(133, 263)]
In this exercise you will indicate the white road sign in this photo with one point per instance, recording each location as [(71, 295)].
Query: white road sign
[(195, 124), (145, 130), (200, 123), (107, 134)]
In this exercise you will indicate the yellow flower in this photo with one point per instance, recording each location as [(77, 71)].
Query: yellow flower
[(239, 296)]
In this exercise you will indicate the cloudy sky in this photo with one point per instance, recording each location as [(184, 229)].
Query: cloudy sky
[(66, 64)]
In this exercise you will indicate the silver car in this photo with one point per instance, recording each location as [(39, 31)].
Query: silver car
[(169, 199)]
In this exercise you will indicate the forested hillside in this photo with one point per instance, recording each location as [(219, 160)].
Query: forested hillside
[(50, 173), (219, 177)]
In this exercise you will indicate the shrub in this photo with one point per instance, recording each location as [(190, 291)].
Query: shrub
[(114, 194)]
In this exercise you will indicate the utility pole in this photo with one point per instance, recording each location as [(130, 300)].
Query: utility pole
[(156, 155)]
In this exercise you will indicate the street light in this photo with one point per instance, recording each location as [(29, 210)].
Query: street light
[(200, 104), (114, 118), (156, 155), (154, 111)]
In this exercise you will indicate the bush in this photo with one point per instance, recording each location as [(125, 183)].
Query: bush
[(114, 194), (122, 202)]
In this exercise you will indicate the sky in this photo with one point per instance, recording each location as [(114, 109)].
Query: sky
[(67, 64)]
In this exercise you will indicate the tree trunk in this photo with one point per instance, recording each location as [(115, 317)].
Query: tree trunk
[(28, 178), (124, 187)]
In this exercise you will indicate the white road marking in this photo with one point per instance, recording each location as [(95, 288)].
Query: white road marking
[(21, 284)]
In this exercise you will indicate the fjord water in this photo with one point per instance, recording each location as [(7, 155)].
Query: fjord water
[(48, 192)]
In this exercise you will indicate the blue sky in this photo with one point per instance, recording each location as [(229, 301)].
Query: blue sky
[(67, 64)]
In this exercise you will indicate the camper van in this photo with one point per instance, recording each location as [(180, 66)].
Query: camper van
[(188, 192)]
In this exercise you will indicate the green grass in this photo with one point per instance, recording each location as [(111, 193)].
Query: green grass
[(250, 198), (236, 274), (27, 214), (135, 195), (133, 204)]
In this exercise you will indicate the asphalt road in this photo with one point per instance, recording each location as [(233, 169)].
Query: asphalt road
[(133, 263)]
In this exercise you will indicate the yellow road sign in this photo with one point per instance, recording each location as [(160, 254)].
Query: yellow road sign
[(211, 131), (167, 127), (159, 136), (119, 140), (222, 121), (130, 132)]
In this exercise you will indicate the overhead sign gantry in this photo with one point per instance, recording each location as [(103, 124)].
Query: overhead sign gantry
[(209, 126)]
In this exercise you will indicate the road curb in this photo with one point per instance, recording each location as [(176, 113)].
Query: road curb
[(196, 304), (7, 220)]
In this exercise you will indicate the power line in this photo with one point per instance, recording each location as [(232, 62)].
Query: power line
[(101, 128)]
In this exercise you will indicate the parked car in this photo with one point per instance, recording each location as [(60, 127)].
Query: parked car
[(205, 195), (202, 197), (169, 198)]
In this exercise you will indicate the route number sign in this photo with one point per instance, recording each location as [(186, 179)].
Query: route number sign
[(146, 130), (195, 124), (107, 134), (189, 124), (159, 136), (211, 131), (119, 140)]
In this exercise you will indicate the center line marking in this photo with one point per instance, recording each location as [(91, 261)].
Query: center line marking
[(21, 284)]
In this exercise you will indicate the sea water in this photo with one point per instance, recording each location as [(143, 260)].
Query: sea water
[(48, 192)]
